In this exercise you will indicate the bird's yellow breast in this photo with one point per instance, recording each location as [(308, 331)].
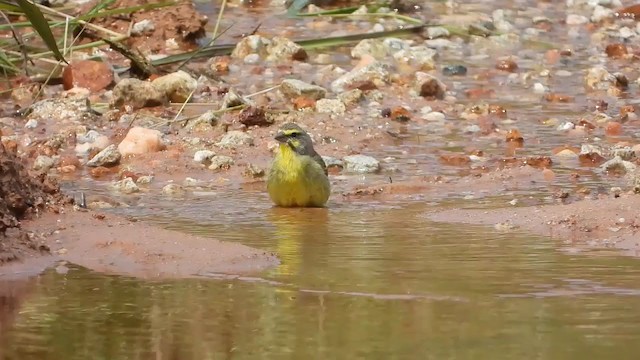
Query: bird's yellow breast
[(297, 180)]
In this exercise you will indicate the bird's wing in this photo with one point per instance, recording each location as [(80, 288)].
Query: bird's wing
[(320, 162)]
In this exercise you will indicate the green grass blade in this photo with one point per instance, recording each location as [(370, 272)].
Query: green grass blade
[(41, 26)]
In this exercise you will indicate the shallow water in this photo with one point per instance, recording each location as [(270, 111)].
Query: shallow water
[(356, 281)]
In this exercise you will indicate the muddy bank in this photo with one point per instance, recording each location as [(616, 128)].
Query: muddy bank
[(114, 245), (611, 222)]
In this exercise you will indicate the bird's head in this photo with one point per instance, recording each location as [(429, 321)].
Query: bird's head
[(297, 139)]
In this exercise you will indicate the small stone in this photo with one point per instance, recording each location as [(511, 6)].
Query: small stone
[(88, 74), (137, 94), (351, 97), (371, 47), (613, 128), (292, 88), (31, 124), (618, 166), (539, 88), (43, 163), (434, 32), (283, 49), (361, 164), (221, 162), (254, 171), (110, 156), (507, 65), (330, 161), (173, 190), (429, 86), (573, 19), (142, 27), (203, 156), (302, 102), (249, 45), (254, 116), (331, 106), (177, 86), (251, 59), (144, 179), (126, 186), (598, 78), (141, 140), (418, 57), (233, 139), (374, 72), (616, 50), (454, 70), (435, 116), (233, 99)]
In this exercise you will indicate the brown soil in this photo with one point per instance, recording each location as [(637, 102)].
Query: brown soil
[(180, 22), (22, 195), (611, 222)]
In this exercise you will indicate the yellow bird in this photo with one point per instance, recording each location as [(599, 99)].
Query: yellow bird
[(298, 175)]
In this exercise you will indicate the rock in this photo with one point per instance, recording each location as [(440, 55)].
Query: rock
[(251, 59), (435, 116), (331, 106), (283, 49), (126, 186), (598, 78), (331, 161), (88, 74), (43, 163), (176, 86), (292, 88), (619, 166), (254, 171), (252, 44), (233, 139), (110, 156), (137, 94), (232, 99), (351, 97), (624, 152), (203, 122), (454, 70), (375, 72), (360, 164), (144, 179), (173, 190), (142, 27), (98, 144), (602, 13), (429, 86), (60, 111), (203, 156), (573, 19), (31, 124), (371, 47), (435, 32), (141, 140), (254, 116), (418, 57), (220, 162)]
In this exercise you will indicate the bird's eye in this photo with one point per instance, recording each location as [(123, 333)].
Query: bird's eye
[(295, 134)]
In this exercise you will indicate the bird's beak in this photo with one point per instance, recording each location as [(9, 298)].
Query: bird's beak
[(281, 137)]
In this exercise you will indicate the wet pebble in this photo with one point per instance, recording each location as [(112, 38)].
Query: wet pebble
[(203, 156), (31, 124), (220, 162), (126, 186), (234, 139), (292, 88), (141, 140), (177, 86), (351, 97), (435, 32), (427, 85), (331, 106), (369, 71), (454, 70), (110, 156), (173, 190), (251, 59), (361, 164), (142, 27), (331, 161), (43, 163), (137, 94), (574, 19), (144, 179), (618, 166), (282, 49)]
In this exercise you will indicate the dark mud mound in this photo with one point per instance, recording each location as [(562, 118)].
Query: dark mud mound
[(22, 195)]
